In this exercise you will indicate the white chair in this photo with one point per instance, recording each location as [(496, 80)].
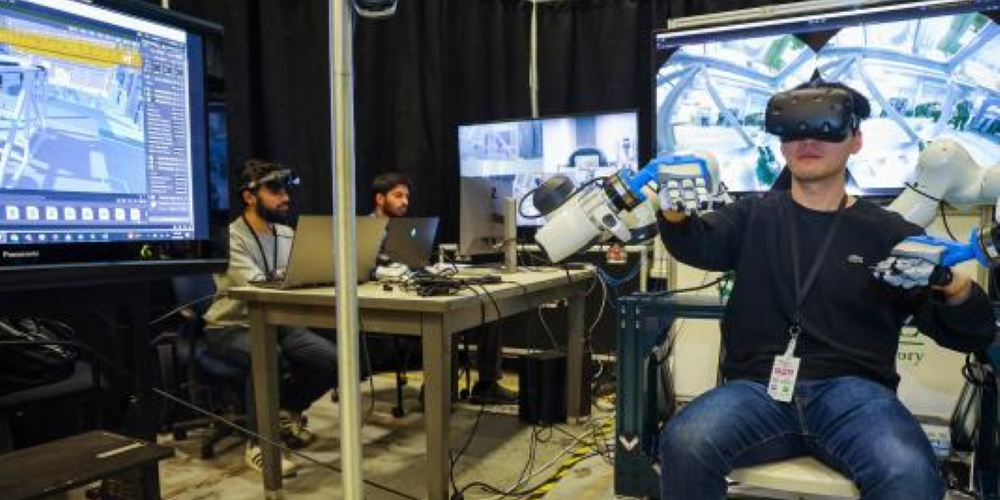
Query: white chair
[(801, 476)]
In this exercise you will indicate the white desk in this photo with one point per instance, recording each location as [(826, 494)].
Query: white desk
[(434, 319)]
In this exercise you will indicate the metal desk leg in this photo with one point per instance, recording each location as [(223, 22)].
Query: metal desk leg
[(145, 428), (437, 403), (574, 362), (263, 342)]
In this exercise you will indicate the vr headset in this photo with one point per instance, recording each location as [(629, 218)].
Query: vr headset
[(275, 182), (825, 114)]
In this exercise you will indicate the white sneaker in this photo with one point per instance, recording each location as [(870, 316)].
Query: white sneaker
[(293, 430), (254, 458)]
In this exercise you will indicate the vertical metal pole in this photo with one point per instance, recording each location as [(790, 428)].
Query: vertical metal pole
[(533, 63), (342, 130)]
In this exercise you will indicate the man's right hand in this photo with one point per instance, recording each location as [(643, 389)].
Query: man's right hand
[(683, 196)]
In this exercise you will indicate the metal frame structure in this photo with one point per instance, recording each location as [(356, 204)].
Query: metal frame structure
[(786, 10), (643, 339)]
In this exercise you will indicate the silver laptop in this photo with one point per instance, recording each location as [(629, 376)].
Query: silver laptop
[(311, 261)]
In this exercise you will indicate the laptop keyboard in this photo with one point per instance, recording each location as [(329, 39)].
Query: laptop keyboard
[(281, 285), (271, 284)]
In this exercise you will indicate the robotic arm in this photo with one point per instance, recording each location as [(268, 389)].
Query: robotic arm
[(945, 172), (624, 206)]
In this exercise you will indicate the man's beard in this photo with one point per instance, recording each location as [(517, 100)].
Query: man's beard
[(272, 216)]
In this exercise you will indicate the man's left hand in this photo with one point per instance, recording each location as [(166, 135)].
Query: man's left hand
[(958, 290), (908, 272)]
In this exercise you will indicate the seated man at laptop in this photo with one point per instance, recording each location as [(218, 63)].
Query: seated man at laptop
[(259, 245), (391, 192)]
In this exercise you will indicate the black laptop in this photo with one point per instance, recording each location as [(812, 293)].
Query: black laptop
[(410, 240)]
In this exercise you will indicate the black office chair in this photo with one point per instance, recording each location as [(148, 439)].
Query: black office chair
[(404, 352), (190, 371), (83, 387)]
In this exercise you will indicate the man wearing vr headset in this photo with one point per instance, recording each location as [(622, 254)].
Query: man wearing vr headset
[(809, 337), (259, 248)]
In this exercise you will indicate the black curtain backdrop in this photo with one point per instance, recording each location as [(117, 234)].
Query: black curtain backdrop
[(419, 74)]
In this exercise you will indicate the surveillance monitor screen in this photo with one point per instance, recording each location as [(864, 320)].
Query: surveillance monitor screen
[(522, 154), (928, 73), (101, 126)]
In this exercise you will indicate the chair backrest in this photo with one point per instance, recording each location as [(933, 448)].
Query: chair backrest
[(194, 292)]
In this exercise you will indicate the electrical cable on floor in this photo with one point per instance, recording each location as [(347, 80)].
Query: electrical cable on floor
[(532, 448), (513, 491), (251, 434), (454, 458), (596, 429), (459, 494)]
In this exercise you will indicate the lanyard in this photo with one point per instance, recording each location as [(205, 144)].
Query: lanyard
[(274, 231), (802, 289)]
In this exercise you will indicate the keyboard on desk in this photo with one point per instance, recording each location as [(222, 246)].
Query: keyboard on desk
[(283, 285), (466, 274), (477, 274)]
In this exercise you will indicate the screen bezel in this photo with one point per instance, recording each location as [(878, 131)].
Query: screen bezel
[(72, 264), (806, 26)]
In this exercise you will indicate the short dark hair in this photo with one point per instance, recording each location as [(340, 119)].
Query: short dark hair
[(862, 108), (255, 169), (388, 181)]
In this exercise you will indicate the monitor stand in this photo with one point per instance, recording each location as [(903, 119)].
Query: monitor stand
[(510, 235)]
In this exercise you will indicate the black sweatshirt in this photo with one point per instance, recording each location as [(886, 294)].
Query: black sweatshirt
[(850, 323)]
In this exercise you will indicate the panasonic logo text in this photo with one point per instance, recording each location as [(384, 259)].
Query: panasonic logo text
[(27, 254)]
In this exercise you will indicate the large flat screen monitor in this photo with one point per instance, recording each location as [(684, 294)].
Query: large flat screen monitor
[(103, 142), (519, 155), (928, 68)]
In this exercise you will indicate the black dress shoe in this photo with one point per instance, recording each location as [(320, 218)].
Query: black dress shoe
[(492, 393)]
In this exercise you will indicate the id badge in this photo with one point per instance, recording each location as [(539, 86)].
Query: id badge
[(783, 374)]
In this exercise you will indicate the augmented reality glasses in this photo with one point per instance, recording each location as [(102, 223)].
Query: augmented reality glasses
[(824, 114), (276, 181)]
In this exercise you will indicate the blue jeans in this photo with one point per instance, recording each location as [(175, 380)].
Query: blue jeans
[(308, 360), (854, 425)]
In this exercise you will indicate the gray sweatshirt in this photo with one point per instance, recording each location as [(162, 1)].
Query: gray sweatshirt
[(247, 262)]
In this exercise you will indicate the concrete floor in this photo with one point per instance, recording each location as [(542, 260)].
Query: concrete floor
[(393, 450)]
